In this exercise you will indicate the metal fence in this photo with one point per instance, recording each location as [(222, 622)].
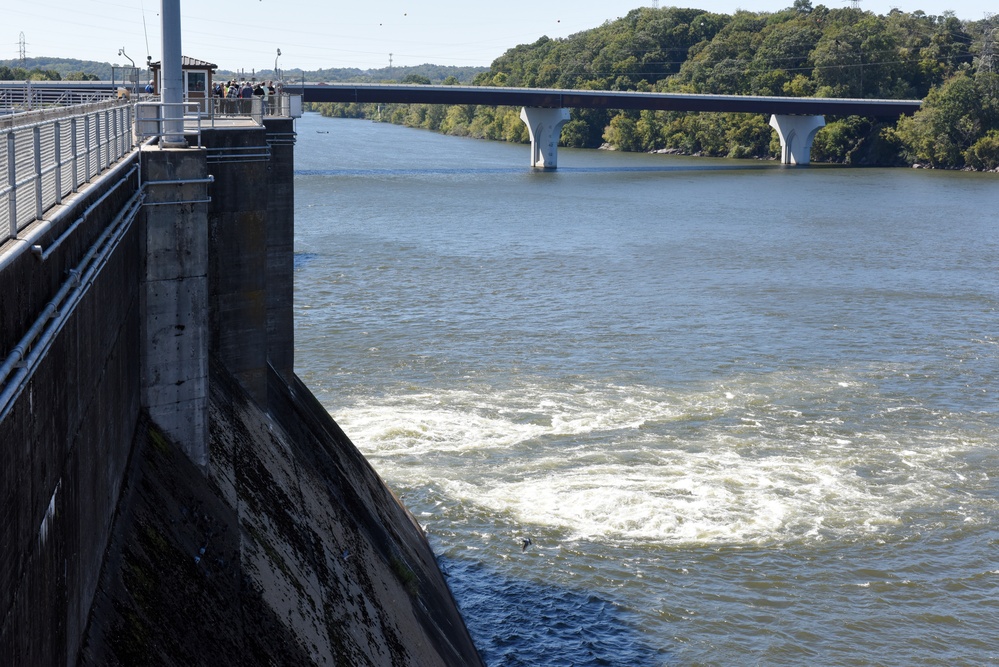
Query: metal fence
[(44, 161), (255, 108), (49, 153), (33, 95)]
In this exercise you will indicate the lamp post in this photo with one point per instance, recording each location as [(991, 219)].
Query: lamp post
[(277, 75), (134, 75)]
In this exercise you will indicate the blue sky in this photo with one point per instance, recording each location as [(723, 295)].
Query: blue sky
[(245, 34)]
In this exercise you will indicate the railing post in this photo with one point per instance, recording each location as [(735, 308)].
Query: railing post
[(97, 142), (111, 154), (100, 141), (86, 147), (37, 149), (11, 182), (57, 128), (74, 161)]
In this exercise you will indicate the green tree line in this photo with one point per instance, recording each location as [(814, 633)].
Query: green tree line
[(54, 69), (801, 51)]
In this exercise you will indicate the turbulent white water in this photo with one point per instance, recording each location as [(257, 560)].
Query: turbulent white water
[(734, 433), (732, 464)]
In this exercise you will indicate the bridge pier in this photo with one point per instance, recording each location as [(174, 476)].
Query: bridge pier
[(796, 134), (545, 126)]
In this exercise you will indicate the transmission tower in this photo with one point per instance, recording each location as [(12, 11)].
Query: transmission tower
[(987, 61), (655, 4), (21, 54)]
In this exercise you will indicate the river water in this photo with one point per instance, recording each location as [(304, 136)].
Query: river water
[(745, 414)]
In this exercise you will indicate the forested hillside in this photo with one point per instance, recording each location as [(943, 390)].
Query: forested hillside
[(800, 51), (54, 69)]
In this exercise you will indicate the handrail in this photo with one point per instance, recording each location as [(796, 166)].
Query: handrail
[(44, 161), (150, 121), (33, 95)]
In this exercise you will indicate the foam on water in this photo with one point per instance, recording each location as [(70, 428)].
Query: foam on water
[(726, 464)]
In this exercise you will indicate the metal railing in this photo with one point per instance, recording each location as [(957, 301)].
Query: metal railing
[(48, 154), (211, 112), (150, 121), (254, 108), (33, 95), (44, 161)]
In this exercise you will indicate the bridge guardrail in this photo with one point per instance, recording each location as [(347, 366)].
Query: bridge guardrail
[(44, 161)]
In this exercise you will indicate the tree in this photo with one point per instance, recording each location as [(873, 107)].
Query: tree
[(622, 133), (416, 78), (954, 117), (984, 153)]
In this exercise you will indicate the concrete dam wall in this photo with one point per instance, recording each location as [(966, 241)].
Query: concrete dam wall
[(172, 492)]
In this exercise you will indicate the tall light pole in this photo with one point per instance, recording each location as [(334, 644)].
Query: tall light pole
[(277, 75), (134, 74)]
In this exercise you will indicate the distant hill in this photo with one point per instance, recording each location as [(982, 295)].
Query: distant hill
[(69, 69), (65, 67), (435, 73)]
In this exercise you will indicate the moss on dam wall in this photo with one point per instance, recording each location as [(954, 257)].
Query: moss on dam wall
[(290, 551)]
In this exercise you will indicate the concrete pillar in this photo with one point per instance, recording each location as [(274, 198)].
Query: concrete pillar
[(281, 245), (796, 134), (545, 126), (173, 297), (237, 255)]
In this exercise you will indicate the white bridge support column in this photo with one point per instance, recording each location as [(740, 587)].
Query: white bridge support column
[(545, 126), (796, 134)]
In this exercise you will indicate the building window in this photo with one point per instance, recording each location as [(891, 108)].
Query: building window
[(197, 82)]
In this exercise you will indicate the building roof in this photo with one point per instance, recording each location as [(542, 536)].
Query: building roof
[(190, 63)]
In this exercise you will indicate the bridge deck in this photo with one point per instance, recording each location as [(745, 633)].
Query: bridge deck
[(599, 99)]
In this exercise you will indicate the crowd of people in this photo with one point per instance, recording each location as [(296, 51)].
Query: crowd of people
[(233, 90)]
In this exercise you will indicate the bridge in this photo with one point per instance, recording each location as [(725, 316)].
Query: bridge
[(545, 111)]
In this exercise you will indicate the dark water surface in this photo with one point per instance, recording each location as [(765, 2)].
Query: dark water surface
[(746, 414)]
